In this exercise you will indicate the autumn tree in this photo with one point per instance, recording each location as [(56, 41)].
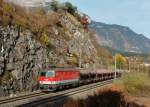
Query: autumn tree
[(121, 61), (20, 17), (1, 2), (7, 10), (39, 23)]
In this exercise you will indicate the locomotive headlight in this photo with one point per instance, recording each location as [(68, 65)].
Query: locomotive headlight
[(41, 82), (53, 82), (47, 82)]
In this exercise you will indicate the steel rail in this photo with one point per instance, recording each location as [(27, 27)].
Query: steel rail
[(66, 94), (13, 99), (51, 97)]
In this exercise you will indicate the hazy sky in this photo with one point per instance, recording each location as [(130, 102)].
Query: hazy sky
[(132, 13)]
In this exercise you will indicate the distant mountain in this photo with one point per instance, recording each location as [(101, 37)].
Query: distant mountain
[(121, 38), (127, 54)]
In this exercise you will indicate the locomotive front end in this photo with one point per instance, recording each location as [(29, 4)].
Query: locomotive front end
[(47, 81)]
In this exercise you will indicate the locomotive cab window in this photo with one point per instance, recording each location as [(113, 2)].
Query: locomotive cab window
[(50, 74), (43, 74)]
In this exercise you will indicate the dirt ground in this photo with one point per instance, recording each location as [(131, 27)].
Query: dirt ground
[(112, 96), (132, 101)]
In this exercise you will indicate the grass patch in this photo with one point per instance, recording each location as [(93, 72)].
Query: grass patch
[(135, 83)]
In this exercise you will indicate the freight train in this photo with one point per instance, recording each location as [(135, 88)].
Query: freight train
[(54, 79)]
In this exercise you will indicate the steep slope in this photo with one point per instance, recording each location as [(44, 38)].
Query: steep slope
[(121, 38), (31, 43)]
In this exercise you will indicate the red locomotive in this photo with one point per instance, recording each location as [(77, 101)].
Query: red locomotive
[(56, 79), (51, 80)]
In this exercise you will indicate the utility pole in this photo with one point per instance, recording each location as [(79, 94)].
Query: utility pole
[(129, 66), (115, 68), (149, 70), (80, 56), (134, 64), (139, 67)]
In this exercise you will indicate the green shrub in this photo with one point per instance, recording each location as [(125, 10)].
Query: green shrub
[(7, 8), (45, 39), (55, 5), (7, 78), (136, 83), (70, 8)]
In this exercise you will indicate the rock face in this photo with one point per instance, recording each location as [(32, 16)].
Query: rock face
[(1, 56), (23, 56)]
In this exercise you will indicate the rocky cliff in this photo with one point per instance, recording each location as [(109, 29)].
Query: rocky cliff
[(24, 54)]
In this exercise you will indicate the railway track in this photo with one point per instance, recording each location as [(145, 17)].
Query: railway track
[(38, 99), (13, 99)]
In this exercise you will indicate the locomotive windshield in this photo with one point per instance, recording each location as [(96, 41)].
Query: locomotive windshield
[(48, 74)]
